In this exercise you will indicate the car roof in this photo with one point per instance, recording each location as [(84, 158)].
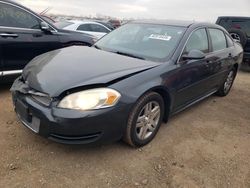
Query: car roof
[(166, 22), (178, 23)]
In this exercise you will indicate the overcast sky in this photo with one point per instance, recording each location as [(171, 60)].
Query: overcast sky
[(206, 10)]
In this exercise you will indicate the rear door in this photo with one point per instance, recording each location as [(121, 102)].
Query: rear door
[(21, 38), (220, 58)]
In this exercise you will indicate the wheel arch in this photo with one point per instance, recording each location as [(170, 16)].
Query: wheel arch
[(165, 94)]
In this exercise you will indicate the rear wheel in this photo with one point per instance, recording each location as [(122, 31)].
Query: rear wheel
[(228, 83), (144, 120)]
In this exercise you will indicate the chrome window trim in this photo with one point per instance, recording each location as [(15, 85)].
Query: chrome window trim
[(12, 72), (9, 3)]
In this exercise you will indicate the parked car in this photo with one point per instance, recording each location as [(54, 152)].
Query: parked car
[(24, 35), (127, 83), (107, 24), (115, 23), (239, 29), (93, 28)]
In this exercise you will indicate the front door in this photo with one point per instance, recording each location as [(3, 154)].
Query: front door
[(21, 38), (192, 74)]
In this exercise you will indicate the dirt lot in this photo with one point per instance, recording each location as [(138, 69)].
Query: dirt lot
[(207, 145)]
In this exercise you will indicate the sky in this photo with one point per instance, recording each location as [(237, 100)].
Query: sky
[(200, 10)]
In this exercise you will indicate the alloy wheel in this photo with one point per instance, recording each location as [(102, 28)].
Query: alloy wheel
[(229, 81), (148, 120)]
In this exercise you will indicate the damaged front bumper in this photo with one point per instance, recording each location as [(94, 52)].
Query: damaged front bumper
[(68, 126)]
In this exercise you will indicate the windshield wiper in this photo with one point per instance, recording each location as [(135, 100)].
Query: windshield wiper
[(97, 47), (129, 55), (120, 53)]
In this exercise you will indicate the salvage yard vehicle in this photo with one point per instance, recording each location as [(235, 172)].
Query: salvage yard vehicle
[(90, 27), (239, 29), (24, 35), (127, 84)]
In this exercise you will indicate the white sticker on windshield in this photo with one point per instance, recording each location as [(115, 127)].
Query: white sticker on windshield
[(160, 37)]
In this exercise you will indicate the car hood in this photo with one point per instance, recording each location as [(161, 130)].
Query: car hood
[(61, 70)]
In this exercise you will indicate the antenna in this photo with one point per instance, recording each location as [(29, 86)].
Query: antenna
[(45, 11)]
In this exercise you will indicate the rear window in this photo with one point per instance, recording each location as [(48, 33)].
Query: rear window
[(237, 23), (62, 25), (218, 39)]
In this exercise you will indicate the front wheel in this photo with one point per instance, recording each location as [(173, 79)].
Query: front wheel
[(144, 120), (228, 83)]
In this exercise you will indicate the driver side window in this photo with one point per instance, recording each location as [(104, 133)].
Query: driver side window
[(197, 41), (11, 16)]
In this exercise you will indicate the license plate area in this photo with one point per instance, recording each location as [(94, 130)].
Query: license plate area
[(23, 111), (26, 117)]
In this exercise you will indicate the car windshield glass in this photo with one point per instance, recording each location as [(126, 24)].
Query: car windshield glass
[(148, 41), (62, 25)]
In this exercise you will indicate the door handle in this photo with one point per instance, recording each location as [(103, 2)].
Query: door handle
[(8, 35)]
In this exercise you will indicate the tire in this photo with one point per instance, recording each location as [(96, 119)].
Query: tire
[(228, 83), (239, 35), (141, 132)]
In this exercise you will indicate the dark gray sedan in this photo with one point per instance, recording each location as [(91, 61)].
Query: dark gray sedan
[(127, 83)]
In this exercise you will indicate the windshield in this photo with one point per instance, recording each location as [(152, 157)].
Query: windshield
[(147, 41)]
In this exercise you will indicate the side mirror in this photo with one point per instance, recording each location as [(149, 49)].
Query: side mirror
[(194, 55), (45, 27)]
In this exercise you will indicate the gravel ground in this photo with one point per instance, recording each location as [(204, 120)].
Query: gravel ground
[(207, 145)]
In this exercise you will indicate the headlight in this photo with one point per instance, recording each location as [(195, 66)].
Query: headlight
[(90, 99)]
